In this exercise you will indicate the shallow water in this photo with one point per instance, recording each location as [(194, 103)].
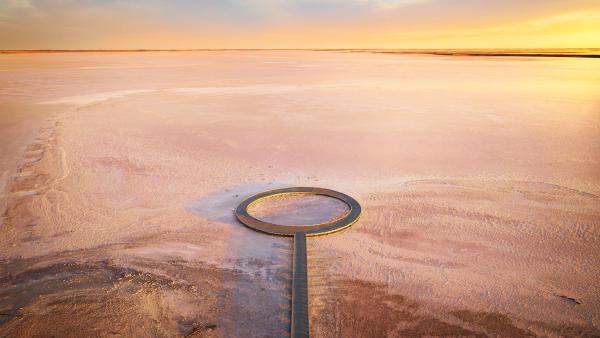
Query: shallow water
[(298, 209)]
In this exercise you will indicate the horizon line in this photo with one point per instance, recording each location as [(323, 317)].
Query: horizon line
[(522, 52)]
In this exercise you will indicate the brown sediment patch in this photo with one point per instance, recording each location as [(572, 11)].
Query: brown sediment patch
[(36, 146), (19, 214), (30, 182), (493, 323), (125, 164), (564, 330), (365, 309), (391, 225), (497, 324)]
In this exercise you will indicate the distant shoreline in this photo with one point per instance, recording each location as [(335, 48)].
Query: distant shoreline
[(496, 54), (550, 52)]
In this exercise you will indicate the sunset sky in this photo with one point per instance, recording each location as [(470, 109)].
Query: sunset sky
[(120, 24)]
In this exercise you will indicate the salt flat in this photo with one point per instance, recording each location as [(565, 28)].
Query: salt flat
[(479, 179)]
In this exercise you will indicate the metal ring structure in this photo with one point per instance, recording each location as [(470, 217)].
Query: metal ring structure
[(241, 212), (300, 327)]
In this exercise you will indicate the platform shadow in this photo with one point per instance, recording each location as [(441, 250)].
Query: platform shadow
[(220, 205), (263, 306)]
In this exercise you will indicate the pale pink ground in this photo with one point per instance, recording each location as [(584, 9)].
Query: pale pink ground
[(479, 180)]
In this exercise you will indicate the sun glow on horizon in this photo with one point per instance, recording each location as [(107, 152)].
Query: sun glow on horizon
[(160, 24)]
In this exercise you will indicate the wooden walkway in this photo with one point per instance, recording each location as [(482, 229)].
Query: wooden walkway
[(300, 322)]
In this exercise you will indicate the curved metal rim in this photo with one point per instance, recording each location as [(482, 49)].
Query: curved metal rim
[(241, 212)]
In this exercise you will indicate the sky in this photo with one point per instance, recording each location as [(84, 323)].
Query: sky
[(402, 24)]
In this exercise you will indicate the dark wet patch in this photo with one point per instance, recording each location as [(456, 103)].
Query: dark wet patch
[(136, 296), (194, 329), (23, 288)]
